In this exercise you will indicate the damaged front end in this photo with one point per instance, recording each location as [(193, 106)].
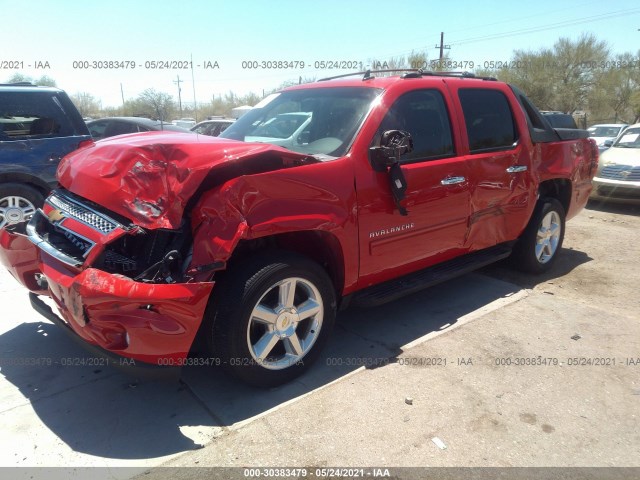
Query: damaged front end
[(117, 285), (113, 247)]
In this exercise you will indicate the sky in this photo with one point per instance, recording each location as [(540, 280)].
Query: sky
[(226, 40)]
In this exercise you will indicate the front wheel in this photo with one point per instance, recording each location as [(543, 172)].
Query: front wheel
[(271, 317), (537, 249)]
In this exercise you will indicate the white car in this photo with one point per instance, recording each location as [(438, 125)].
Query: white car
[(605, 131), (618, 175)]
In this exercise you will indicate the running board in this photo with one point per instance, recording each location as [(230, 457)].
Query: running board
[(414, 282)]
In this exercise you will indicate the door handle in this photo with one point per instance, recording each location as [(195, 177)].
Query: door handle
[(452, 180), (517, 168)]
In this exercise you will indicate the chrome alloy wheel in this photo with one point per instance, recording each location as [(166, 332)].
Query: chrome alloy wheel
[(285, 323), (14, 209), (548, 236)]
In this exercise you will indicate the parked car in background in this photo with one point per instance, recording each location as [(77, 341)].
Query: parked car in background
[(560, 120), (606, 131), (618, 175), (213, 127), (112, 126), (185, 122), (38, 126)]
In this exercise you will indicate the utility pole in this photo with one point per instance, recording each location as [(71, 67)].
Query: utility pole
[(193, 83), (442, 46), (178, 82), (122, 93)]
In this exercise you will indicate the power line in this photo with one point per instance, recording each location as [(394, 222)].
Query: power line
[(566, 23)]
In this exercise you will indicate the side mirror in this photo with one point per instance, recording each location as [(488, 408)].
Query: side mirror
[(393, 144), (608, 143)]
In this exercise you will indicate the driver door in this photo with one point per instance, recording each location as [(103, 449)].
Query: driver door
[(437, 198)]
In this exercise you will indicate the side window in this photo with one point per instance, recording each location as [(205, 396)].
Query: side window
[(489, 121), (422, 113), (202, 129), (32, 115), (97, 129), (120, 128)]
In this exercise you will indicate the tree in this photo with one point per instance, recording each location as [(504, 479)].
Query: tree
[(560, 78), (19, 78), (42, 81), (46, 81), (85, 103), (156, 105), (613, 99)]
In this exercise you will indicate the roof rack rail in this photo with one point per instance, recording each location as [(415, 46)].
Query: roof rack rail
[(410, 73)]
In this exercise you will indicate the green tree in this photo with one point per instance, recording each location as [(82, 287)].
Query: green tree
[(44, 80), (560, 78)]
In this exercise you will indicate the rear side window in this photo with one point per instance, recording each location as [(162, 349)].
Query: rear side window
[(488, 118), (120, 128), (32, 115), (424, 115)]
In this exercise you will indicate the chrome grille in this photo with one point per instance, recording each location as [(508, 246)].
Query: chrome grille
[(85, 215), (621, 172)]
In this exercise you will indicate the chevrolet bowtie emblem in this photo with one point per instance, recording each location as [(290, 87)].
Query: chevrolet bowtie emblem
[(55, 216)]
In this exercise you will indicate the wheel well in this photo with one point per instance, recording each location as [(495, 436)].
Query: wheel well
[(321, 247), (30, 180), (558, 188)]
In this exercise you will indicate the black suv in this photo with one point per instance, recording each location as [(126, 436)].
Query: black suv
[(38, 126)]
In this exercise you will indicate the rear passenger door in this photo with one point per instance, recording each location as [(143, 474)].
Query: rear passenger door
[(500, 170)]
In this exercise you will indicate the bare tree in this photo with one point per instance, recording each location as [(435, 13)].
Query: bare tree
[(160, 105), (85, 103)]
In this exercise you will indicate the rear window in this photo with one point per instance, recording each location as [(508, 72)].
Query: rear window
[(32, 115), (489, 120)]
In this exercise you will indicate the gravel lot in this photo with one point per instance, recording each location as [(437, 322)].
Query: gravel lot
[(387, 408)]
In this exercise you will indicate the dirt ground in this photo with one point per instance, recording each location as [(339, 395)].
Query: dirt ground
[(604, 241)]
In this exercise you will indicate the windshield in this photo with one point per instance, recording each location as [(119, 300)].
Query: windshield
[(317, 121), (629, 139), (604, 131)]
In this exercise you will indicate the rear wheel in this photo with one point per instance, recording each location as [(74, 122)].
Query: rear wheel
[(271, 317), (538, 247), (18, 202)]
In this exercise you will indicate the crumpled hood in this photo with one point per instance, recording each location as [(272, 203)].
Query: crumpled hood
[(150, 177)]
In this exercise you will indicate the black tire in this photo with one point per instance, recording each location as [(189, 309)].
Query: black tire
[(18, 202), (537, 248), (232, 323)]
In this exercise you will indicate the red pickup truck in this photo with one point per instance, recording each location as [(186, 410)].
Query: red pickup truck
[(345, 191)]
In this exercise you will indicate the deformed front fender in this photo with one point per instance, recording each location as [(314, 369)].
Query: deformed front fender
[(317, 197)]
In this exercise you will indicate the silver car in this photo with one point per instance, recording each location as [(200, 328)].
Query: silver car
[(618, 175), (605, 131)]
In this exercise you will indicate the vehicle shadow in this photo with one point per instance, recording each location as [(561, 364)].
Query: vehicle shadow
[(363, 338), (627, 207), (97, 410), (568, 259), (89, 405)]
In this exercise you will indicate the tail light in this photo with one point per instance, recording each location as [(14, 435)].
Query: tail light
[(595, 155)]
